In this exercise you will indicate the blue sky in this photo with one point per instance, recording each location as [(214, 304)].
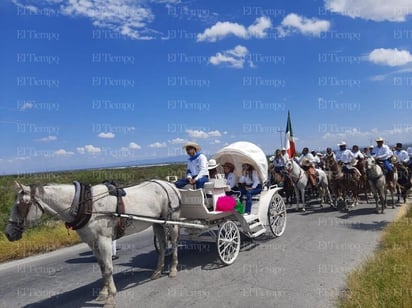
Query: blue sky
[(90, 83)]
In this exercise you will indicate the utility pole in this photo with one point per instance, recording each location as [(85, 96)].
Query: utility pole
[(280, 131)]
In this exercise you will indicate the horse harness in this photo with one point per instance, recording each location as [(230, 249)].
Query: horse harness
[(171, 210), (81, 207)]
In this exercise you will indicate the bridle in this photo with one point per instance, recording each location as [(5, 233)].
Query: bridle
[(295, 180), (23, 207)]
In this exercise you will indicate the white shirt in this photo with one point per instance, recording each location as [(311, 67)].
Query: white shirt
[(382, 153), (402, 155), (345, 156), (358, 155), (197, 167), (254, 181), (409, 150), (309, 156), (230, 179)]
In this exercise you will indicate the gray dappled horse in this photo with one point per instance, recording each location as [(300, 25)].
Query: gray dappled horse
[(152, 199), (299, 179)]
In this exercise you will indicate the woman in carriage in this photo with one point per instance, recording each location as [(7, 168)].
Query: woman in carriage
[(250, 185)]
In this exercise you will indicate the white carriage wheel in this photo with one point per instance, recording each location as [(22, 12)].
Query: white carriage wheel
[(228, 242), (277, 215)]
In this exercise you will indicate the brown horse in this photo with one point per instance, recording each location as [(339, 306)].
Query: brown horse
[(404, 181), (343, 183), (363, 180), (276, 178)]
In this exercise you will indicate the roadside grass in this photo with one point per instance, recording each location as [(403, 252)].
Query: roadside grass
[(385, 280), (41, 239)]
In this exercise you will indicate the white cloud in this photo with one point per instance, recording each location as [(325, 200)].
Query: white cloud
[(108, 135), (215, 133), (48, 139), (259, 28), (390, 57), (126, 17), (158, 145), (91, 149), (134, 146), (293, 23), (223, 29), (63, 152), (234, 58), (376, 10), (201, 134), (178, 141)]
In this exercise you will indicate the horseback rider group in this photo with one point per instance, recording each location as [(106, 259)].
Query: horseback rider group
[(348, 159)]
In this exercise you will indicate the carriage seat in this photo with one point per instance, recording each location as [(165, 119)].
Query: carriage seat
[(214, 189)]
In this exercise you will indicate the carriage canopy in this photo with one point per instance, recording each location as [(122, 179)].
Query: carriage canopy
[(243, 152)]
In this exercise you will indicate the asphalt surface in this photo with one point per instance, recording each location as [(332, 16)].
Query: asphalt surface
[(305, 267)]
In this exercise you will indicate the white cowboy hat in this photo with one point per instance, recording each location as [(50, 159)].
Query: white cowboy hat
[(192, 145), (342, 143), (379, 139), (212, 164)]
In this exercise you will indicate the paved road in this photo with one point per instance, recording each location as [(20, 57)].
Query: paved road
[(306, 267)]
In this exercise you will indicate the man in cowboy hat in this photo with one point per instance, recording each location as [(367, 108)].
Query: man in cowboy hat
[(197, 172), (382, 153), (344, 155)]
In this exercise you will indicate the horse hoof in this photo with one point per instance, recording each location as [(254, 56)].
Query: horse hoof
[(172, 274), (155, 275), (109, 303), (102, 297)]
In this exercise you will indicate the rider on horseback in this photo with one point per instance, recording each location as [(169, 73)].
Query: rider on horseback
[(306, 161), (382, 153), (401, 154), (345, 157)]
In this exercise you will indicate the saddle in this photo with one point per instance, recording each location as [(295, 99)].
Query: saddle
[(312, 174), (118, 192)]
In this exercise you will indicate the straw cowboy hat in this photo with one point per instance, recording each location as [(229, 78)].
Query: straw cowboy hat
[(212, 164), (379, 139), (192, 145), (229, 165)]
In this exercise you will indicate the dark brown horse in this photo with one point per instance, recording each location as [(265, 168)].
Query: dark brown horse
[(404, 181), (278, 178), (343, 183)]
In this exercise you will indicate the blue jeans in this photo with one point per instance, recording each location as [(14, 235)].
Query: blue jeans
[(249, 194), (181, 183)]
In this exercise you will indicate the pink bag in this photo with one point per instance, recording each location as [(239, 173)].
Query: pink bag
[(225, 204)]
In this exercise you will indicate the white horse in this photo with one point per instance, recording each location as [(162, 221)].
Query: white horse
[(151, 200), (300, 181), (377, 183)]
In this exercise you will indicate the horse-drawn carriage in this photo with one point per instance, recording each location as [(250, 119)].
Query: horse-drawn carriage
[(96, 213), (224, 227)]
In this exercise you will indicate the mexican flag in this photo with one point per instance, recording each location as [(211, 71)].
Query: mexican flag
[(290, 142)]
